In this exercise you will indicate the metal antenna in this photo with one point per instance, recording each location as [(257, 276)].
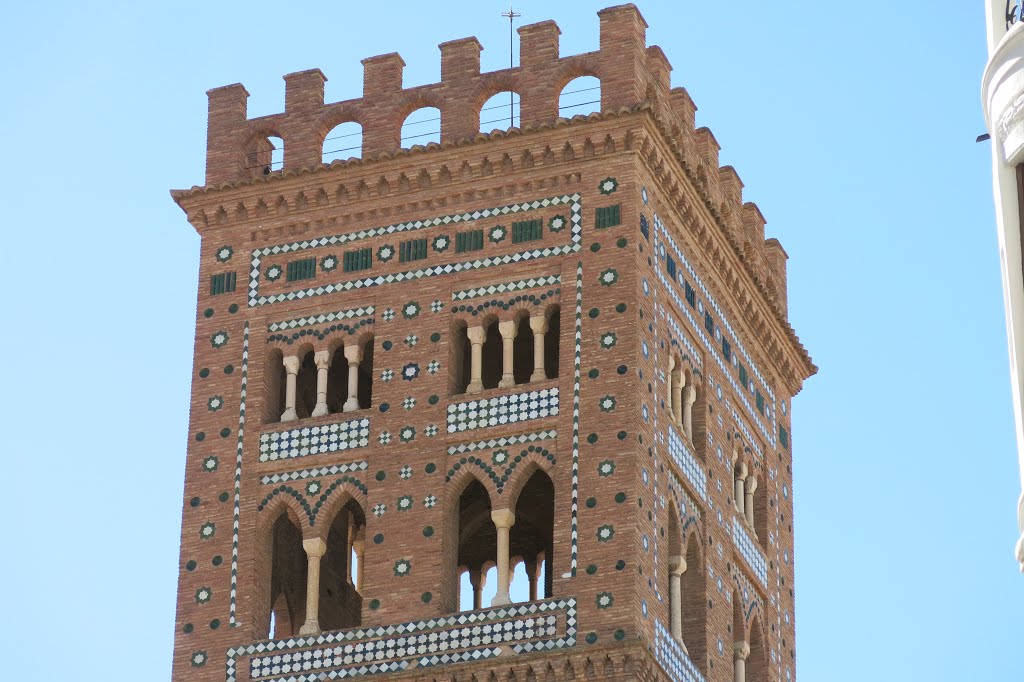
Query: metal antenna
[(512, 15)]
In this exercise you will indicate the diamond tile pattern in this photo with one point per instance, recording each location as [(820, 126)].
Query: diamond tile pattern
[(320, 319), (506, 287), (575, 220)]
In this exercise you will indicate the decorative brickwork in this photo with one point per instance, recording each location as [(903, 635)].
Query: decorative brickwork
[(563, 345)]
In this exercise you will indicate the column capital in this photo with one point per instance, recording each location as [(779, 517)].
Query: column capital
[(291, 364), (677, 565), (689, 394), (539, 324), (477, 578), (322, 358), (477, 335), (314, 547), (353, 352), (508, 328), (741, 650), (503, 518), (742, 473), (751, 484)]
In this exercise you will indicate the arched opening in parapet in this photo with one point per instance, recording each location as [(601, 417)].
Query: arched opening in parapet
[(532, 537), (344, 141), (341, 601), (286, 601), (580, 96), (264, 154), (422, 126), (500, 112)]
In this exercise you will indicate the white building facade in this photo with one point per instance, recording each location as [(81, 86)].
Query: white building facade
[(1003, 100)]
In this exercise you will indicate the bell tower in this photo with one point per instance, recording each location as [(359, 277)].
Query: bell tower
[(511, 404)]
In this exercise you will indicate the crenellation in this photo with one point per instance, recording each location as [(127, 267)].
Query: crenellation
[(660, 69)]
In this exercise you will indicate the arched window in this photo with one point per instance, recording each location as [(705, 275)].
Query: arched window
[(422, 126), (580, 96), (500, 112), (757, 662), (522, 349), (341, 602), (286, 601), (459, 359), (305, 385), (491, 361), (350, 377), (344, 141), (474, 545), (552, 341), (274, 380), (532, 536), (694, 603)]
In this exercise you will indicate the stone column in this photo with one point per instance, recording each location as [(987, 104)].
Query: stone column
[(677, 396), (503, 520), (539, 327), (531, 574), (322, 359), (508, 331), (359, 547), (477, 335), (315, 548), (676, 568), (671, 372), (354, 355), (477, 579), (740, 475), (740, 652), (748, 501), (689, 398), (291, 366)]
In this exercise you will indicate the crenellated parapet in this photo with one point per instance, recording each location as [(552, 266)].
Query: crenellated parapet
[(634, 77)]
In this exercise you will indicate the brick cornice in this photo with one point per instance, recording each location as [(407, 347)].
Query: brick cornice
[(654, 144)]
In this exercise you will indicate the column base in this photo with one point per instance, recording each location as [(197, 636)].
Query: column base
[(320, 410), (289, 415), (539, 376), (310, 628), (351, 405), (501, 600), (475, 388), (507, 381)]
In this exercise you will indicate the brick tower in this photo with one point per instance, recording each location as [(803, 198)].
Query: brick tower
[(558, 351)]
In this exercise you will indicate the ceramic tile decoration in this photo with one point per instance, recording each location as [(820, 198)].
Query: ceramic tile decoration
[(522, 627), (750, 551), (507, 409), (575, 218), (311, 440)]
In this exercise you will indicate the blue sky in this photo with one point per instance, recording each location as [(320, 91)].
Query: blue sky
[(852, 126)]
